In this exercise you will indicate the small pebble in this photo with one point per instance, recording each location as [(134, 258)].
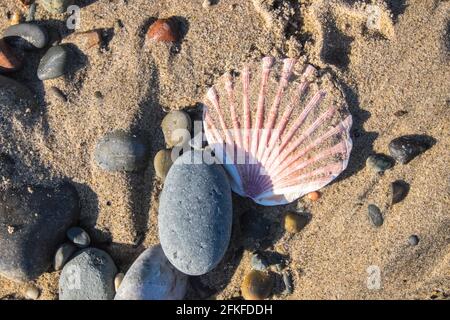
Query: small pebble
[(118, 280), (99, 96), (79, 237), (176, 127), (294, 222), (15, 18), (58, 94), (31, 12), (257, 285), (413, 240), (63, 254), (406, 148), (379, 162), (162, 163), (32, 292), (400, 113), (56, 6), (314, 196), (375, 215), (287, 280), (54, 63), (399, 190), (164, 30), (259, 262)]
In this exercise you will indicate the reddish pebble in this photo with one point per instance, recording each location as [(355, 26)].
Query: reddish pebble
[(165, 30), (8, 60), (314, 196)]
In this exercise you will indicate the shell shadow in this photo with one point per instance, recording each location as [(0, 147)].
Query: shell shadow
[(336, 46)]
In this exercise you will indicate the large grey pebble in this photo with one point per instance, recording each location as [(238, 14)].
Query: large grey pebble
[(89, 275), (120, 151), (195, 214), (79, 237), (56, 6), (54, 63), (152, 277), (33, 222), (28, 36), (63, 254)]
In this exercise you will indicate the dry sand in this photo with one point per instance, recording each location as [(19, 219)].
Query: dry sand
[(402, 64)]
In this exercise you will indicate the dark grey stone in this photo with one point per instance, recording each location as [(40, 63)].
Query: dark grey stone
[(195, 214), (380, 162), (54, 63), (375, 215), (33, 222), (406, 148), (89, 275), (399, 191), (79, 237), (27, 36), (63, 254), (120, 151), (152, 277)]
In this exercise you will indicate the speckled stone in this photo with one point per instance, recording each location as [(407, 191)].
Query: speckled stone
[(27, 36), (406, 148), (89, 275), (195, 214), (54, 63), (120, 151), (33, 222), (152, 277)]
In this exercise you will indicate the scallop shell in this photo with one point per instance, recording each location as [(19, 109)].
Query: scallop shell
[(280, 132)]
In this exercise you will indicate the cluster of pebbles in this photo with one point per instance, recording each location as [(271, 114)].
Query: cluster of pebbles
[(194, 227)]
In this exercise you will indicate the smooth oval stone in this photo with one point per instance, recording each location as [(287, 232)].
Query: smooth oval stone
[(79, 237), (195, 214), (152, 277), (375, 215), (56, 6), (399, 191), (63, 254), (38, 218), (413, 240), (27, 36), (89, 275), (54, 63), (257, 285), (379, 162), (176, 127), (120, 151), (406, 148), (162, 163), (32, 292), (15, 96)]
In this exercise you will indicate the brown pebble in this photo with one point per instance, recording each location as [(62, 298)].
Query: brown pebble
[(294, 222), (8, 60), (314, 196), (257, 285), (86, 40), (15, 18), (32, 292), (164, 30), (162, 163)]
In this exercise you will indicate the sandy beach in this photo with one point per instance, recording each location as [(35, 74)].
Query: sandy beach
[(395, 76)]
